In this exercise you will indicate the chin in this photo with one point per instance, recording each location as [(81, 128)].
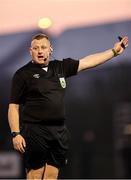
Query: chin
[(40, 61)]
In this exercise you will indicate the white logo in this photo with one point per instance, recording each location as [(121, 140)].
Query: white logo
[(36, 76), (62, 82), (66, 161)]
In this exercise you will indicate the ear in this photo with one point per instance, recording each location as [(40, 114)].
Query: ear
[(30, 50), (51, 49)]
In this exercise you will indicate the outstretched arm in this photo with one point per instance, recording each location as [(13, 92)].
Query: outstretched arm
[(99, 58)]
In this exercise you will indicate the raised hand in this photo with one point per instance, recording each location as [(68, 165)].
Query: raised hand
[(119, 47)]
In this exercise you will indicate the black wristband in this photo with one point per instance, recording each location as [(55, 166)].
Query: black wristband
[(115, 53), (14, 134)]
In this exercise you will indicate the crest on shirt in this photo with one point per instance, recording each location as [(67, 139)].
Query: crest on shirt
[(36, 76), (62, 82)]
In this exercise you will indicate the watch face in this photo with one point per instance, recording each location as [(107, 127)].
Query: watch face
[(14, 134)]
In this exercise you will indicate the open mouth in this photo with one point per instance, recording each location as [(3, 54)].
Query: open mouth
[(40, 57)]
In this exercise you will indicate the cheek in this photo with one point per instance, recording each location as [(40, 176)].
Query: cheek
[(34, 54), (47, 50)]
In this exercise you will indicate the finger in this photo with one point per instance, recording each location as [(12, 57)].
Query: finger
[(24, 143), (125, 39), (16, 147), (21, 148), (125, 42)]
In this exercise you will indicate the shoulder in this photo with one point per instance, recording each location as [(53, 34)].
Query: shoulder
[(64, 61), (20, 73), (55, 61), (70, 60), (23, 69)]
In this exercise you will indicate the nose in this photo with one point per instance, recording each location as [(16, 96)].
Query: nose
[(40, 50)]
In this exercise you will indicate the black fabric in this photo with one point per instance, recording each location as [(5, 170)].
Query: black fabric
[(41, 92), (45, 144)]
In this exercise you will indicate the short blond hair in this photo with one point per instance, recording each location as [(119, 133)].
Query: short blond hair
[(40, 36)]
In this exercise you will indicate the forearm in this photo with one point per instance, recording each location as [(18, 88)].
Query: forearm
[(99, 58), (96, 59), (13, 117)]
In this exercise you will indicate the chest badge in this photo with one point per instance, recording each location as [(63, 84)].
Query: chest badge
[(36, 76), (62, 82)]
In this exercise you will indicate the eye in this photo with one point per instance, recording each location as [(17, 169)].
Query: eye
[(35, 48), (44, 47)]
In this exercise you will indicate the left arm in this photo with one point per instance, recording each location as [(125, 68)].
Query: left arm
[(99, 58)]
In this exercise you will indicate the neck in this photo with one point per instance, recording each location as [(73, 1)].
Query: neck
[(40, 65)]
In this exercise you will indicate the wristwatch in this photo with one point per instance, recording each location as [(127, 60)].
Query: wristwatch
[(14, 134)]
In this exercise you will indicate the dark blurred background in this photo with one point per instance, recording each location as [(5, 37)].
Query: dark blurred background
[(98, 100)]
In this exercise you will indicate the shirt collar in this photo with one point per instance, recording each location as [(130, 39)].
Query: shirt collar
[(39, 65)]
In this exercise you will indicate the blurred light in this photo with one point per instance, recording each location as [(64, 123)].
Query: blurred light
[(44, 23)]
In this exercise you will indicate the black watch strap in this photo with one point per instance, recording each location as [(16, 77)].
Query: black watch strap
[(14, 134)]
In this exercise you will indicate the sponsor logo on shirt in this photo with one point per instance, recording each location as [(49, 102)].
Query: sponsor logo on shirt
[(36, 76), (62, 82)]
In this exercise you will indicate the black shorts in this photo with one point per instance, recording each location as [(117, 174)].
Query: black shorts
[(45, 144)]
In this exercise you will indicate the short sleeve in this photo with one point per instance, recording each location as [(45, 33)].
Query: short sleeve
[(18, 88), (70, 67)]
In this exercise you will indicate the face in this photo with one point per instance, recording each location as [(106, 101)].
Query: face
[(40, 51)]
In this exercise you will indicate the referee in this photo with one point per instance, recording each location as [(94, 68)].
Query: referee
[(39, 87)]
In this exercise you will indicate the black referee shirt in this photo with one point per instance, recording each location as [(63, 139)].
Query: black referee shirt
[(41, 92)]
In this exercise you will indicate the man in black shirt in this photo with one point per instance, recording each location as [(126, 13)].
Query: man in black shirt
[(39, 87)]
